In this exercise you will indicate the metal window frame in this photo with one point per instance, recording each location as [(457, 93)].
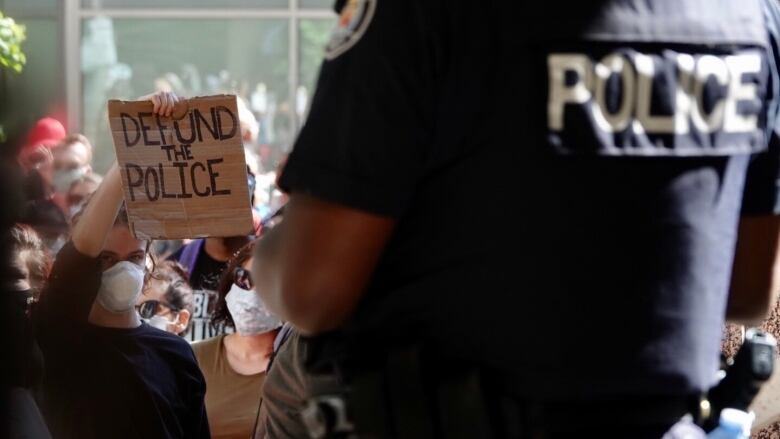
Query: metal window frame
[(74, 13)]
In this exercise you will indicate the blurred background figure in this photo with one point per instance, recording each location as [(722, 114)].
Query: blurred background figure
[(72, 161), (80, 191), (37, 160), (250, 131), (166, 301), (30, 266), (46, 133), (32, 261), (235, 365)]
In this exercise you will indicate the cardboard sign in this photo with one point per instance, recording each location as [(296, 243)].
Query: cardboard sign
[(183, 176)]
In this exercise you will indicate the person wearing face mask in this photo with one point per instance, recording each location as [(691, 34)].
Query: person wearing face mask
[(206, 260), (235, 365), (166, 301), (72, 161), (23, 363), (108, 374)]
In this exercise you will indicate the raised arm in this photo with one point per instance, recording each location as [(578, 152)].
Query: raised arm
[(90, 232)]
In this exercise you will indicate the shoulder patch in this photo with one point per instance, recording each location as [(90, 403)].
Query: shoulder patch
[(354, 19)]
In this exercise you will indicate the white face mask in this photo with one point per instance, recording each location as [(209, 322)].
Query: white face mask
[(249, 313), (159, 322), (120, 287), (64, 178)]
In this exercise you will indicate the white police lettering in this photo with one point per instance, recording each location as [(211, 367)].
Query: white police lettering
[(739, 66), (577, 80), (645, 69), (708, 67), (560, 93), (614, 64)]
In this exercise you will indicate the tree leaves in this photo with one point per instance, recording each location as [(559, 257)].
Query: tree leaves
[(11, 37)]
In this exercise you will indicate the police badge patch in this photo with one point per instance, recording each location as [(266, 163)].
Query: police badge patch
[(353, 21)]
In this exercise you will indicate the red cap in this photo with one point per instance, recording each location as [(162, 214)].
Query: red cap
[(48, 131)]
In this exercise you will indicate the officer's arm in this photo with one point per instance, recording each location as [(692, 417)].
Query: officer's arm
[(755, 280), (312, 268)]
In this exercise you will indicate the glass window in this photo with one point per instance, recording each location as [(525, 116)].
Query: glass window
[(314, 35), (183, 4), (29, 8), (126, 58), (320, 4)]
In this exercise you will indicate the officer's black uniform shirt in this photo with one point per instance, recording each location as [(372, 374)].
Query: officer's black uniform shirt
[(567, 182)]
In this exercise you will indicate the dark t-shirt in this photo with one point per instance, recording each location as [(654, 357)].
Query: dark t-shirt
[(106, 382), (207, 271), (603, 149), (204, 280)]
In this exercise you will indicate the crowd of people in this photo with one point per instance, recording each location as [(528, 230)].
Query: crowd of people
[(169, 333)]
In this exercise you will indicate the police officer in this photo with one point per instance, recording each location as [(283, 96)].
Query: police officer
[(510, 221)]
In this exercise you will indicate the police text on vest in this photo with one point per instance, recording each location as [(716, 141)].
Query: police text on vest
[(575, 79)]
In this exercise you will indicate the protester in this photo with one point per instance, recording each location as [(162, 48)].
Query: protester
[(79, 191), (46, 133), (72, 161), (37, 160), (23, 361), (166, 301), (30, 259), (235, 364), (250, 131), (29, 267), (109, 374), (205, 260)]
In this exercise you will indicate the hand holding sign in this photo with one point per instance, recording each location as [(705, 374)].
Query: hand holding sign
[(183, 176), (166, 104)]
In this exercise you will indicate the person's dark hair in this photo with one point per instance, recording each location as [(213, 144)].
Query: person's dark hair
[(221, 316), (178, 293), (26, 240)]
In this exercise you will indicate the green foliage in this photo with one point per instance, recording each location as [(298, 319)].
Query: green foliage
[(11, 37)]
